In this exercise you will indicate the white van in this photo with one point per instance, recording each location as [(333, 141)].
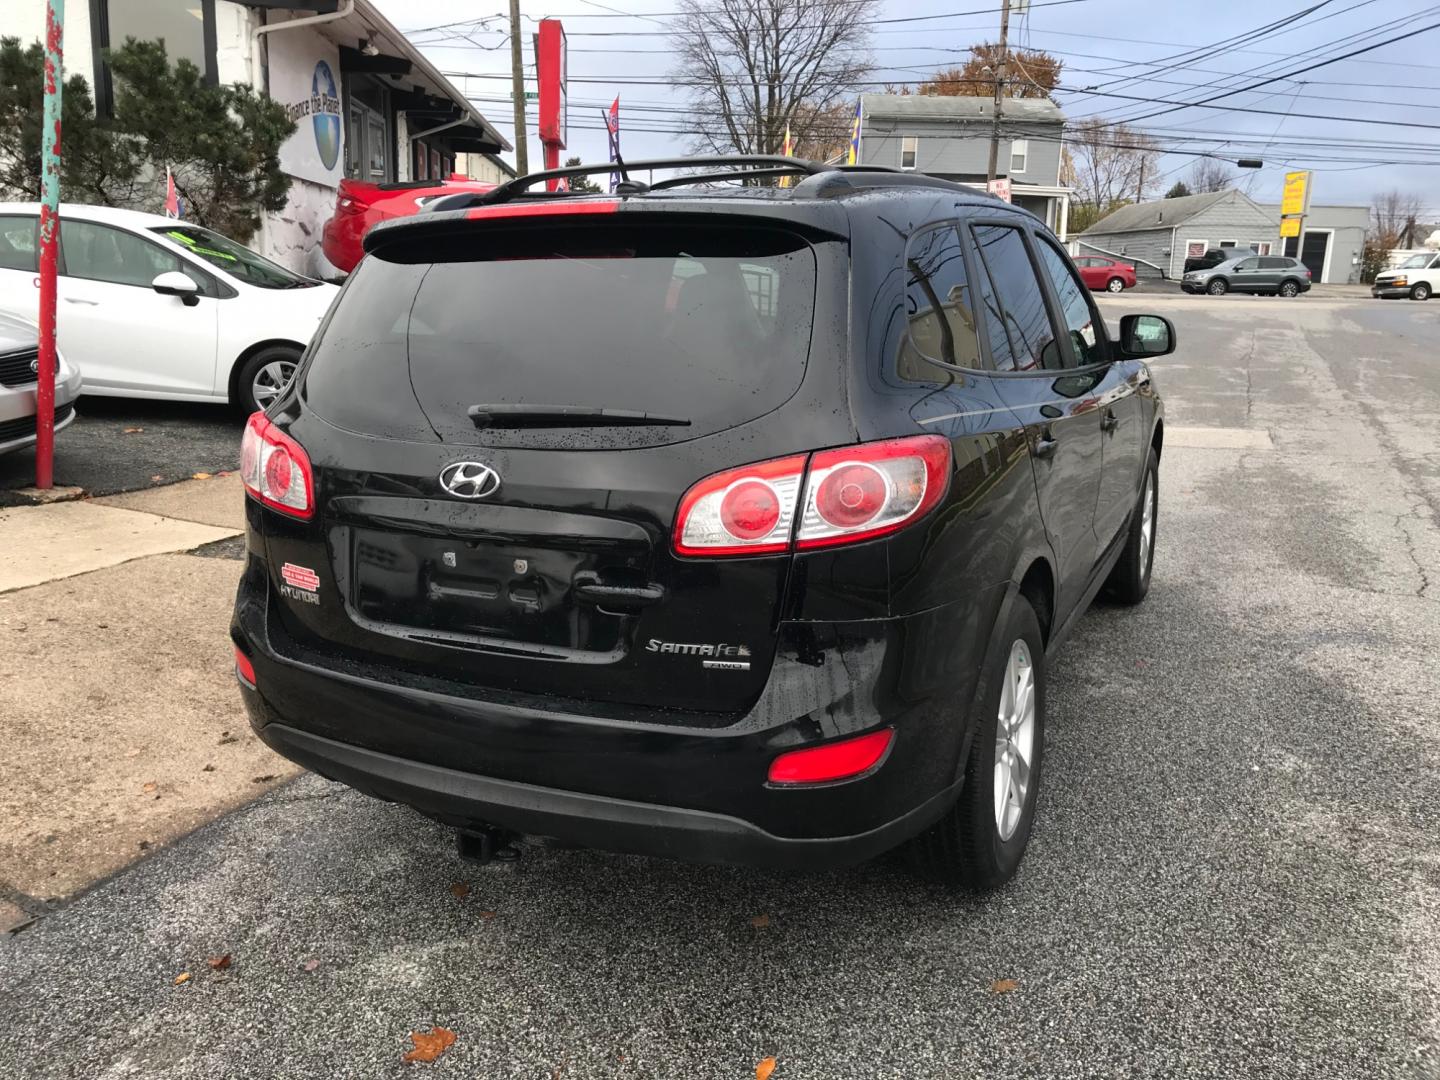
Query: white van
[(1418, 277)]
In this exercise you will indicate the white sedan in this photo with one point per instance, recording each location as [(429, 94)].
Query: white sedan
[(158, 308)]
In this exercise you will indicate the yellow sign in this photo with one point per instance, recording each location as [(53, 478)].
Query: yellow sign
[(1290, 226), (1297, 194)]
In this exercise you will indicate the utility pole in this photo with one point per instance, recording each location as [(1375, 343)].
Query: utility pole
[(1140, 184), (999, 90), (517, 89), (49, 243)]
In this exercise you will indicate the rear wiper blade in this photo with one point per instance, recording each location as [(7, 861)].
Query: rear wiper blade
[(524, 416)]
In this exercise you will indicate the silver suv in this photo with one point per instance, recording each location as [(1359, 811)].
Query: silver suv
[(1278, 275), (19, 365)]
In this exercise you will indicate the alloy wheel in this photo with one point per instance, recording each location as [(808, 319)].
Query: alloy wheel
[(269, 381), (1014, 740), (1147, 525), (1289, 289), (1116, 285)]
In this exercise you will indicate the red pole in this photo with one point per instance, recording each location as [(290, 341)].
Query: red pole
[(49, 243)]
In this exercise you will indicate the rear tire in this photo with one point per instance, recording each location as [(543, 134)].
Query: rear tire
[(1289, 288), (1115, 285), (1218, 287), (1129, 581), (980, 841), (263, 377), (1420, 292)]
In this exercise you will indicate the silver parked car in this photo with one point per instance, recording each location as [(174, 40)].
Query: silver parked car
[(19, 367)]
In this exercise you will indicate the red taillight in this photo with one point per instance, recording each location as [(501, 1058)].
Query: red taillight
[(833, 761), (860, 492), (243, 667), (275, 468), (841, 496)]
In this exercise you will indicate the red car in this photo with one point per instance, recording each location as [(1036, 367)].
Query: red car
[(1099, 273), (360, 205)]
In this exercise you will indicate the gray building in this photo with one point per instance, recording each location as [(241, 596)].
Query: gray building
[(1159, 235), (949, 137), (1331, 241)]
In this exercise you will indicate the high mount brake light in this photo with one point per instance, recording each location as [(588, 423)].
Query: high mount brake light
[(276, 469), (845, 495), (548, 208)]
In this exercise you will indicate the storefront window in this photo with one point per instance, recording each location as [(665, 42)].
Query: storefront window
[(186, 27)]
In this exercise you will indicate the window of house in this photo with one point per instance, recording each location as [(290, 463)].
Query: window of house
[(18, 242), (1195, 248), (909, 151), (188, 30), (938, 310), (1022, 337), (1261, 247), (422, 162), (1080, 316), (1230, 243), (1019, 151)]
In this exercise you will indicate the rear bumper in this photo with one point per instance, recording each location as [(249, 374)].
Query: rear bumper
[(596, 821), (699, 793)]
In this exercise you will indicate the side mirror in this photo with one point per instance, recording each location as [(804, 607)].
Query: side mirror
[(1144, 337), (174, 283)]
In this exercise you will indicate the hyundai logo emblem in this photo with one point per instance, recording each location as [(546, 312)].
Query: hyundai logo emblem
[(470, 480)]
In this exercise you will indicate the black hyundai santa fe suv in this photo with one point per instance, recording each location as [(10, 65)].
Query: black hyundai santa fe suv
[(726, 523)]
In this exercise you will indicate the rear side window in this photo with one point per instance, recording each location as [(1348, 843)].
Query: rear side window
[(1275, 264), (17, 243), (703, 324), (938, 309), (1021, 335)]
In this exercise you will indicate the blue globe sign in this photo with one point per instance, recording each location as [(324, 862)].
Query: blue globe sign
[(325, 114)]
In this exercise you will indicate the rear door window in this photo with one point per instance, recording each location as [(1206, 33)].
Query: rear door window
[(17, 243), (1275, 263), (1022, 337), (702, 324)]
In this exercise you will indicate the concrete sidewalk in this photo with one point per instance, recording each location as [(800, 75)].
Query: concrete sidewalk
[(123, 727)]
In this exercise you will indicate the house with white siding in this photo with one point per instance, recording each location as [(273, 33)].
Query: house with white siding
[(1158, 236)]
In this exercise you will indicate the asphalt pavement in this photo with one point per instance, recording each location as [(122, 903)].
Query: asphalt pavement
[(125, 444), (1235, 870)]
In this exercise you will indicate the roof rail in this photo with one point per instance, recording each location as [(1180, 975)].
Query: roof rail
[(775, 163)]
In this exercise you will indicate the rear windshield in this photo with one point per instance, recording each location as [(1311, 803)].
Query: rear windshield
[(707, 325)]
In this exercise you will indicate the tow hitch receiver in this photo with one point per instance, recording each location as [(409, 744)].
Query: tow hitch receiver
[(484, 845)]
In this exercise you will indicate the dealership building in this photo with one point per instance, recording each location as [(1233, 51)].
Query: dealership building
[(366, 103)]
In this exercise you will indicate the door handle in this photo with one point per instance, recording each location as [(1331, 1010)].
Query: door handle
[(589, 587), (1111, 421), (1045, 446), (77, 300)]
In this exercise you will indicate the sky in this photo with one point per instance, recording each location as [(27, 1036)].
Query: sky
[(1121, 57)]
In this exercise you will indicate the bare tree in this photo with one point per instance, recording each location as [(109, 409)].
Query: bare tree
[(1393, 215), (1210, 174), (753, 66), (1113, 165)]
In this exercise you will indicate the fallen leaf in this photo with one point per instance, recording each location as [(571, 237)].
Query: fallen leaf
[(156, 478), (183, 977), (1004, 986), (144, 845), (201, 476), (226, 737), (487, 914), (219, 963), (263, 779), (149, 786), (429, 1045), (208, 768), (134, 752), (760, 922), (764, 1069), (460, 889), (132, 431), (310, 965)]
